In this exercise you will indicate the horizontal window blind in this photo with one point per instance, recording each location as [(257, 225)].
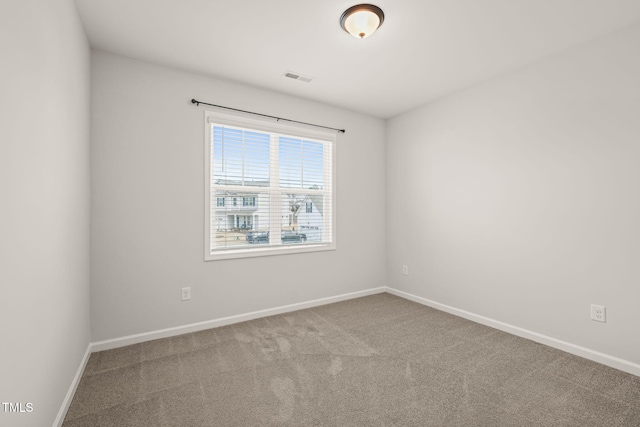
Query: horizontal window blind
[(268, 189)]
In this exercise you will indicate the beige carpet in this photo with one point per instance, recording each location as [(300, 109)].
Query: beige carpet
[(373, 361)]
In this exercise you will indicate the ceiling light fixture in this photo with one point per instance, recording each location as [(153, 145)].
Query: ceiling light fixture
[(362, 20)]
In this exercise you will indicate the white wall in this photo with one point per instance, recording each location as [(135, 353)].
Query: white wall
[(44, 205), (148, 204), (521, 197)]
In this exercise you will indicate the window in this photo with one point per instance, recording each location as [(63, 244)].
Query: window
[(284, 178)]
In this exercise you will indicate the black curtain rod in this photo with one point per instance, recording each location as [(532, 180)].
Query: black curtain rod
[(193, 101)]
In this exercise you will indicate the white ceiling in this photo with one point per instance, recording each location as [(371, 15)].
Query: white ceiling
[(424, 50)]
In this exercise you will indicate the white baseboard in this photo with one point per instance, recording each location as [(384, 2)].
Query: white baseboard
[(72, 389), (605, 359), (195, 327)]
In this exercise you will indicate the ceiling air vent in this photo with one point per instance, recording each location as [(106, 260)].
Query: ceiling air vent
[(297, 76)]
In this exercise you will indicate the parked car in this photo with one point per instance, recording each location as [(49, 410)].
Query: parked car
[(286, 237), (293, 237), (258, 237)]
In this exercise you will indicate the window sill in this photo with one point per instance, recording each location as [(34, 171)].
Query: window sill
[(268, 251)]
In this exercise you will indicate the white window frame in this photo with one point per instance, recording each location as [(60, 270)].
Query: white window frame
[(277, 248)]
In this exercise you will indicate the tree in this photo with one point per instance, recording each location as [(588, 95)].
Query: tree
[(295, 203)]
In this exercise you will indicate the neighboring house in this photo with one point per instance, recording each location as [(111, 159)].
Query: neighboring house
[(308, 218), (250, 211), (240, 210)]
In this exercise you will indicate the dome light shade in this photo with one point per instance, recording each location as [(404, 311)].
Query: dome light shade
[(362, 20)]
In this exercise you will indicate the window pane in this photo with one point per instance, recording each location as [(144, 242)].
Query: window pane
[(256, 159), (290, 162), (244, 223), (240, 157), (301, 163), (313, 165), (227, 156), (302, 218)]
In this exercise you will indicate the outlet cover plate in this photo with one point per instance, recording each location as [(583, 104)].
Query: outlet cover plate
[(599, 313)]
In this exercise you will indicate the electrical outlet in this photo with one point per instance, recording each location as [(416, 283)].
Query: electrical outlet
[(405, 270), (598, 313), (186, 293)]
